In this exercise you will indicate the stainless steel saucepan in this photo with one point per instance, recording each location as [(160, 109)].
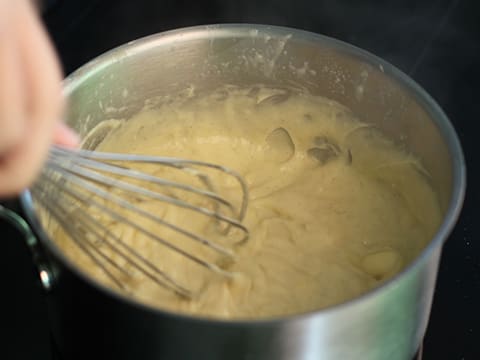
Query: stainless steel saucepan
[(90, 321)]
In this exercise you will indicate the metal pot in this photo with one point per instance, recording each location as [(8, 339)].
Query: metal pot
[(90, 321)]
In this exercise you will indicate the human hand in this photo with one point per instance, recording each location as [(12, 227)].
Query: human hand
[(30, 97)]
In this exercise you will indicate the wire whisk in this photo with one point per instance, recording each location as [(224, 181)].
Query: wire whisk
[(85, 191)]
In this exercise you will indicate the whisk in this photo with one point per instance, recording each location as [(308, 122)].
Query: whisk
[(76, 180)]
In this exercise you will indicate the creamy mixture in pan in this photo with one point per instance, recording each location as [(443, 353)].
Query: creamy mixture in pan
[(335, 208)]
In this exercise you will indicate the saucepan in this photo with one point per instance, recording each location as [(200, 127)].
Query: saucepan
[(90, 321)]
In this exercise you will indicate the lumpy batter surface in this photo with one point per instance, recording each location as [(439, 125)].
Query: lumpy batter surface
[(334, 207)]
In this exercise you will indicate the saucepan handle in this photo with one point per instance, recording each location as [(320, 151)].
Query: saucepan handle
[(45, 270)]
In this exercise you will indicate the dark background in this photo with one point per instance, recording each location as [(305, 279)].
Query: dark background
[(437, 42)]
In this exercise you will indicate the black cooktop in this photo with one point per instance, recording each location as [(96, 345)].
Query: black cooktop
[(437, 42)]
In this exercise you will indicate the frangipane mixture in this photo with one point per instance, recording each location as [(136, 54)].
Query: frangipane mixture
[(335, 208)]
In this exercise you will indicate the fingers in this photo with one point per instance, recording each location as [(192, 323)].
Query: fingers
[(33, 115), (64, 136), (12, 112)]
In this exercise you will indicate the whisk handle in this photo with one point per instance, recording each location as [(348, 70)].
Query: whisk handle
[(45, 270)]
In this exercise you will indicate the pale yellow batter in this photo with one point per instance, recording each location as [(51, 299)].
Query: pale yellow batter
[(335, 208)]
